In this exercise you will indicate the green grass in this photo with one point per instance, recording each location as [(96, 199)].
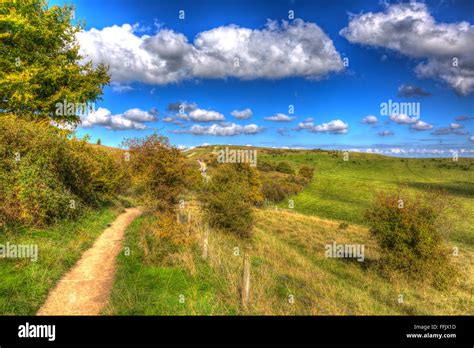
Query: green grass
[(343, 190), (24, 285), (287, 258), (143, 288)]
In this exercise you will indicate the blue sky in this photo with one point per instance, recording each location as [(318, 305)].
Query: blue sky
[(333, 79)]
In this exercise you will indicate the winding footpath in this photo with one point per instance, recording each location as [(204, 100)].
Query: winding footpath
[(85, 289)]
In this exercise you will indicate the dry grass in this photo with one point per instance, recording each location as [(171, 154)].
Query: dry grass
[(290, 274)]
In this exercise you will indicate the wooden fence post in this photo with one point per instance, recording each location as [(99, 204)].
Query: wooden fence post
[(205, 244), (246, 282)]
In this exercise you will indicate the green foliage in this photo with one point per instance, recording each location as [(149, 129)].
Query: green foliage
[(285, 167), (99, 142), (158, 171), (40, 64), (411, 233), (228, 198), (265, 166), (276, 189), (46, 176)]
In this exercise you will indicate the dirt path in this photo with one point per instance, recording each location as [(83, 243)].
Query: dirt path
[(85, 289)]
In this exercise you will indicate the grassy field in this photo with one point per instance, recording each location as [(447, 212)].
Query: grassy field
[(343, 190), (24, 284), (290, 275), (289, 271)]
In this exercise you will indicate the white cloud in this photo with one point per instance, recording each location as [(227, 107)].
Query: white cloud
[(242, 114), (410, 29), (471, 138), (130, 119), (278, 50), (456, 126), (224, 129), (421, 126), (370, 119), (403, 119), (140, 115), (333, 127), (279, 118), (202, 115)]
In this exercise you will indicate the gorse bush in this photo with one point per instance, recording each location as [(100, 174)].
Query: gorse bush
[(284, 167), (276, 189), (46, 176), (229, 196), (163, 238), (158, 171), (411, 233), (306, 172)]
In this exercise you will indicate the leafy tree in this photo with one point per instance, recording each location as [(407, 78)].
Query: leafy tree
[(40, 64), (158, 171), (99, 142), (229, 196)]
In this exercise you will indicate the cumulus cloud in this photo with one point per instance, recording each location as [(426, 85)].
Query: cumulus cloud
[(223, 129), (370, 119), (403, 119), (280, 118), (410, 91), (453, 128), (332, 127), (279, 50), (242, 114), (385, 133), (421, 126), (140, 115), (306, 124), (203, 115), (471, 138), (130, 119), (447, 49)]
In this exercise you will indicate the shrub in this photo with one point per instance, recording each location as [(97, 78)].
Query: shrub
[(284, 167), (410, 231), (158, 171), (228, 198), (46, 176), (277, 189), (265, 166), (306, 172), (162, 238)]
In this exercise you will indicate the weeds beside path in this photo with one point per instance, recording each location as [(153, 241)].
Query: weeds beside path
[(84, 290)]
